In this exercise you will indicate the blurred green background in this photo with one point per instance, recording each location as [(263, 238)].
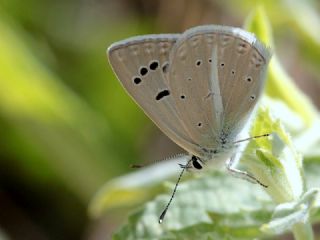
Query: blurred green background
[(66, 124)]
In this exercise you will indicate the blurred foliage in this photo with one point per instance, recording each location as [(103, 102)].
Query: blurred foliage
[(67, 126)]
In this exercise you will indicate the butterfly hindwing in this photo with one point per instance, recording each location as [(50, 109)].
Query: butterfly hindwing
[(241, 78), (216, 77)]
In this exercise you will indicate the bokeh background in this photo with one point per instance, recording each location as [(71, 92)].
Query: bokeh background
[(66, 124)]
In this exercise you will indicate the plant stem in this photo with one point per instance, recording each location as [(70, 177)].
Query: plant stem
[(302, 231)]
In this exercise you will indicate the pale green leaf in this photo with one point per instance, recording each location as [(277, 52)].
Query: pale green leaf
[(207, 207), (286, 215), (133, 188), (274, 160), (279, 84)]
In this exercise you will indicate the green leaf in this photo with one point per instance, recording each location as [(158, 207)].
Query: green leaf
[(133, 188), (258, 23), (312, 169), (44, 118), (274, 160), (287, 215), (207, 207), (279, 84)]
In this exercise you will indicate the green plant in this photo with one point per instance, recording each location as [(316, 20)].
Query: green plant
[(214, 205)]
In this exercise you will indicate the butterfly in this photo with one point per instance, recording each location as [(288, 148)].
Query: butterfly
[(199, 87)]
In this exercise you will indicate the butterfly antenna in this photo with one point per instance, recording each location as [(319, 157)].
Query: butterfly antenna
[(254, 137), (163, 214)]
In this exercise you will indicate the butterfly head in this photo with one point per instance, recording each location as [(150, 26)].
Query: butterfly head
[(215, 157)]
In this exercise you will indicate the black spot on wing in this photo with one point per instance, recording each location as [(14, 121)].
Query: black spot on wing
[(154, 65), (162, 94), (137, 80), (165, 67), (143, 71)]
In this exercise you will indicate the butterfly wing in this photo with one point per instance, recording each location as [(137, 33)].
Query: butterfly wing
[(216, 77), (141, 65)]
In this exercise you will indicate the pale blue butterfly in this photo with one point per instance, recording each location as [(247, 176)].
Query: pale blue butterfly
[(199, 87)]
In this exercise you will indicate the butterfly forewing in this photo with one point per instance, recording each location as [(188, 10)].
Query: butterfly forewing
[(141, 64)]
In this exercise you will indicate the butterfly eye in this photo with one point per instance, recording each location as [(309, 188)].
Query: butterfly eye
[(196, 163), (252, 97)]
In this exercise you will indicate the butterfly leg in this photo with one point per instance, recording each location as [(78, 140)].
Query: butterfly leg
[(242, 174)]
